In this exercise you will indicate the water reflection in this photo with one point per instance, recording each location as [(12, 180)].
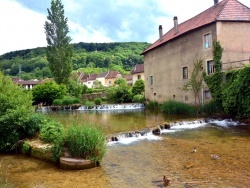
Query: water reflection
[(143, 163)]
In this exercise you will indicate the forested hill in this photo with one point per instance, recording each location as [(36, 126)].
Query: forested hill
[(88, 57)]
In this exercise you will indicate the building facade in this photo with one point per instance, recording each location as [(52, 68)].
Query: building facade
[(168, 62)]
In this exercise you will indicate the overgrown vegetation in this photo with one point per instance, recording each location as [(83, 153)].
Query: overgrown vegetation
[(176, 107)]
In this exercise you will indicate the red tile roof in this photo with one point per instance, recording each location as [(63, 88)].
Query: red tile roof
[(226, 10), (138, 69), (112, 74)]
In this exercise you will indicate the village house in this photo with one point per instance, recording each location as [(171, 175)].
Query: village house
[(137, 73), (169, 61), (111, 77), (27, 84)]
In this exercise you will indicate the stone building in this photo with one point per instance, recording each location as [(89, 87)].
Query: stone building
[(168, 62)]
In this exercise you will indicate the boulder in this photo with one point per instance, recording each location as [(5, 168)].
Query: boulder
[(40, 150)]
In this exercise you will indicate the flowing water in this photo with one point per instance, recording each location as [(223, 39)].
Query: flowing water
[(221, 158)]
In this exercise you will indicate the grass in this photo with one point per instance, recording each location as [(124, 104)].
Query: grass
[(176, 107)]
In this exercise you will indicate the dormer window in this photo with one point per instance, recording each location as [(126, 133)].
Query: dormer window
[(207, 41)]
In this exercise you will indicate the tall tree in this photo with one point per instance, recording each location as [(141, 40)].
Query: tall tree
[(59, 50)]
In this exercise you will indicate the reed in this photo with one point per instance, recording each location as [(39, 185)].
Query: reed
[(176, 107)]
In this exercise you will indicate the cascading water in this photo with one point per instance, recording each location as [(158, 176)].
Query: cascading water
[(114, 107), (155, 133)]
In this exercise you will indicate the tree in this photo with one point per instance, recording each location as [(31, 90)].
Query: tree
[(138, 87), (195, 82), (47, 92), (59, 50)]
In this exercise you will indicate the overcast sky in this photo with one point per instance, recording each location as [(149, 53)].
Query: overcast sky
[(22, 21)]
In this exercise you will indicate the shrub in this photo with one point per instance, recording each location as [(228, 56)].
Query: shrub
[(175, 107), (89, 104), (86, 142), (98, 101), (139, 98), (152, 105), (212, 107), (26, 148), (57, 102), (76, 101), (51, 131), (67, 101)]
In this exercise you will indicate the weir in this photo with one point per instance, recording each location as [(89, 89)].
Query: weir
[(128, 106), (166, 128)]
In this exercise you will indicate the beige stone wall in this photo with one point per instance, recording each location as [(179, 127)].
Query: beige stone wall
[(166, 62), (235, 39), (135, 77)]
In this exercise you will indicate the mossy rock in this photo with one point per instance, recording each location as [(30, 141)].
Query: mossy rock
[(41, 150)]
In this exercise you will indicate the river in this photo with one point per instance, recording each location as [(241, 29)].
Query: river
[(221, 158)]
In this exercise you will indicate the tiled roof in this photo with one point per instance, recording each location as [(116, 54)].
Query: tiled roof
[(28, 82), (102, 75), (226, 10), (138, 69), (112, 74), (128, 77), (92, 77)]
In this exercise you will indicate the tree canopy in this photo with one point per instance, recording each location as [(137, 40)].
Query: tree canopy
[(59, 50)]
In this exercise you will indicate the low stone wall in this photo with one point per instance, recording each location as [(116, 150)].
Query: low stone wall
[(92, 96)]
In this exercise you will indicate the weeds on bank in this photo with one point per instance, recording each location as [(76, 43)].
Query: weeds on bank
[(4, 183)]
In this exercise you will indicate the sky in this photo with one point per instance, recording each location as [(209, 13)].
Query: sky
[(22, 21)]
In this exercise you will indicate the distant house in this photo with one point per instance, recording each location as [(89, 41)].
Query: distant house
[(168, 62), (111, 77), (89, 80), (27, 84), (128, 79), (137, 73), (78, 76), (101, 77)]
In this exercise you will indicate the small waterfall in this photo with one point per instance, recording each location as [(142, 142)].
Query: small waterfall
[(114, 107), (165, 128)]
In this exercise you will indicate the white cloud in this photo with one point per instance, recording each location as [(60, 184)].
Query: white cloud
[(21, 28)]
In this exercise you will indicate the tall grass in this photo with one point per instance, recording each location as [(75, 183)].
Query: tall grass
[(176, 107), (87, 142)]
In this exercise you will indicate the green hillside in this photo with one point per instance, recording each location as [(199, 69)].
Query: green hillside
[(88, 57)]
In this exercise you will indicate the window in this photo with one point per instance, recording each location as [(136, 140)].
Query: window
[(210, 67), (139, 77), (186, 98), (151, 79), (110, 82), (184, 72), (207, 41), (207, 95)]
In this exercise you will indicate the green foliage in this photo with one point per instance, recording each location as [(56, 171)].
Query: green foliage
[(119, 94), (236, 95), (89, 104), (68, 101), (195, 82), (98, 101), (15, 114), (74, 88), (139, 98), (97, 84), (47, 92), (120, 82), (86, 142), (176, 107), (212, 107), (26, 148), (152, 105), (59, 50), (84, 89), (138, 88), (214, 82), (57, 102), (51, 131)]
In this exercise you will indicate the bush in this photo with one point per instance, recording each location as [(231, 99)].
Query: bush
[(152, 105), (139, 98), (86, 142), (26, 148), (67, 101), (98, 101), (175, 107), (57, 102), (51, 131), (89, 104), (212, 107)]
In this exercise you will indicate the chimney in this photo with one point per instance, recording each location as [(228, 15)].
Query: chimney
[(160, 31), (175, 25), (215, 2)]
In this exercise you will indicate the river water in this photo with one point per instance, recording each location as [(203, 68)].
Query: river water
[(221, 158)]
